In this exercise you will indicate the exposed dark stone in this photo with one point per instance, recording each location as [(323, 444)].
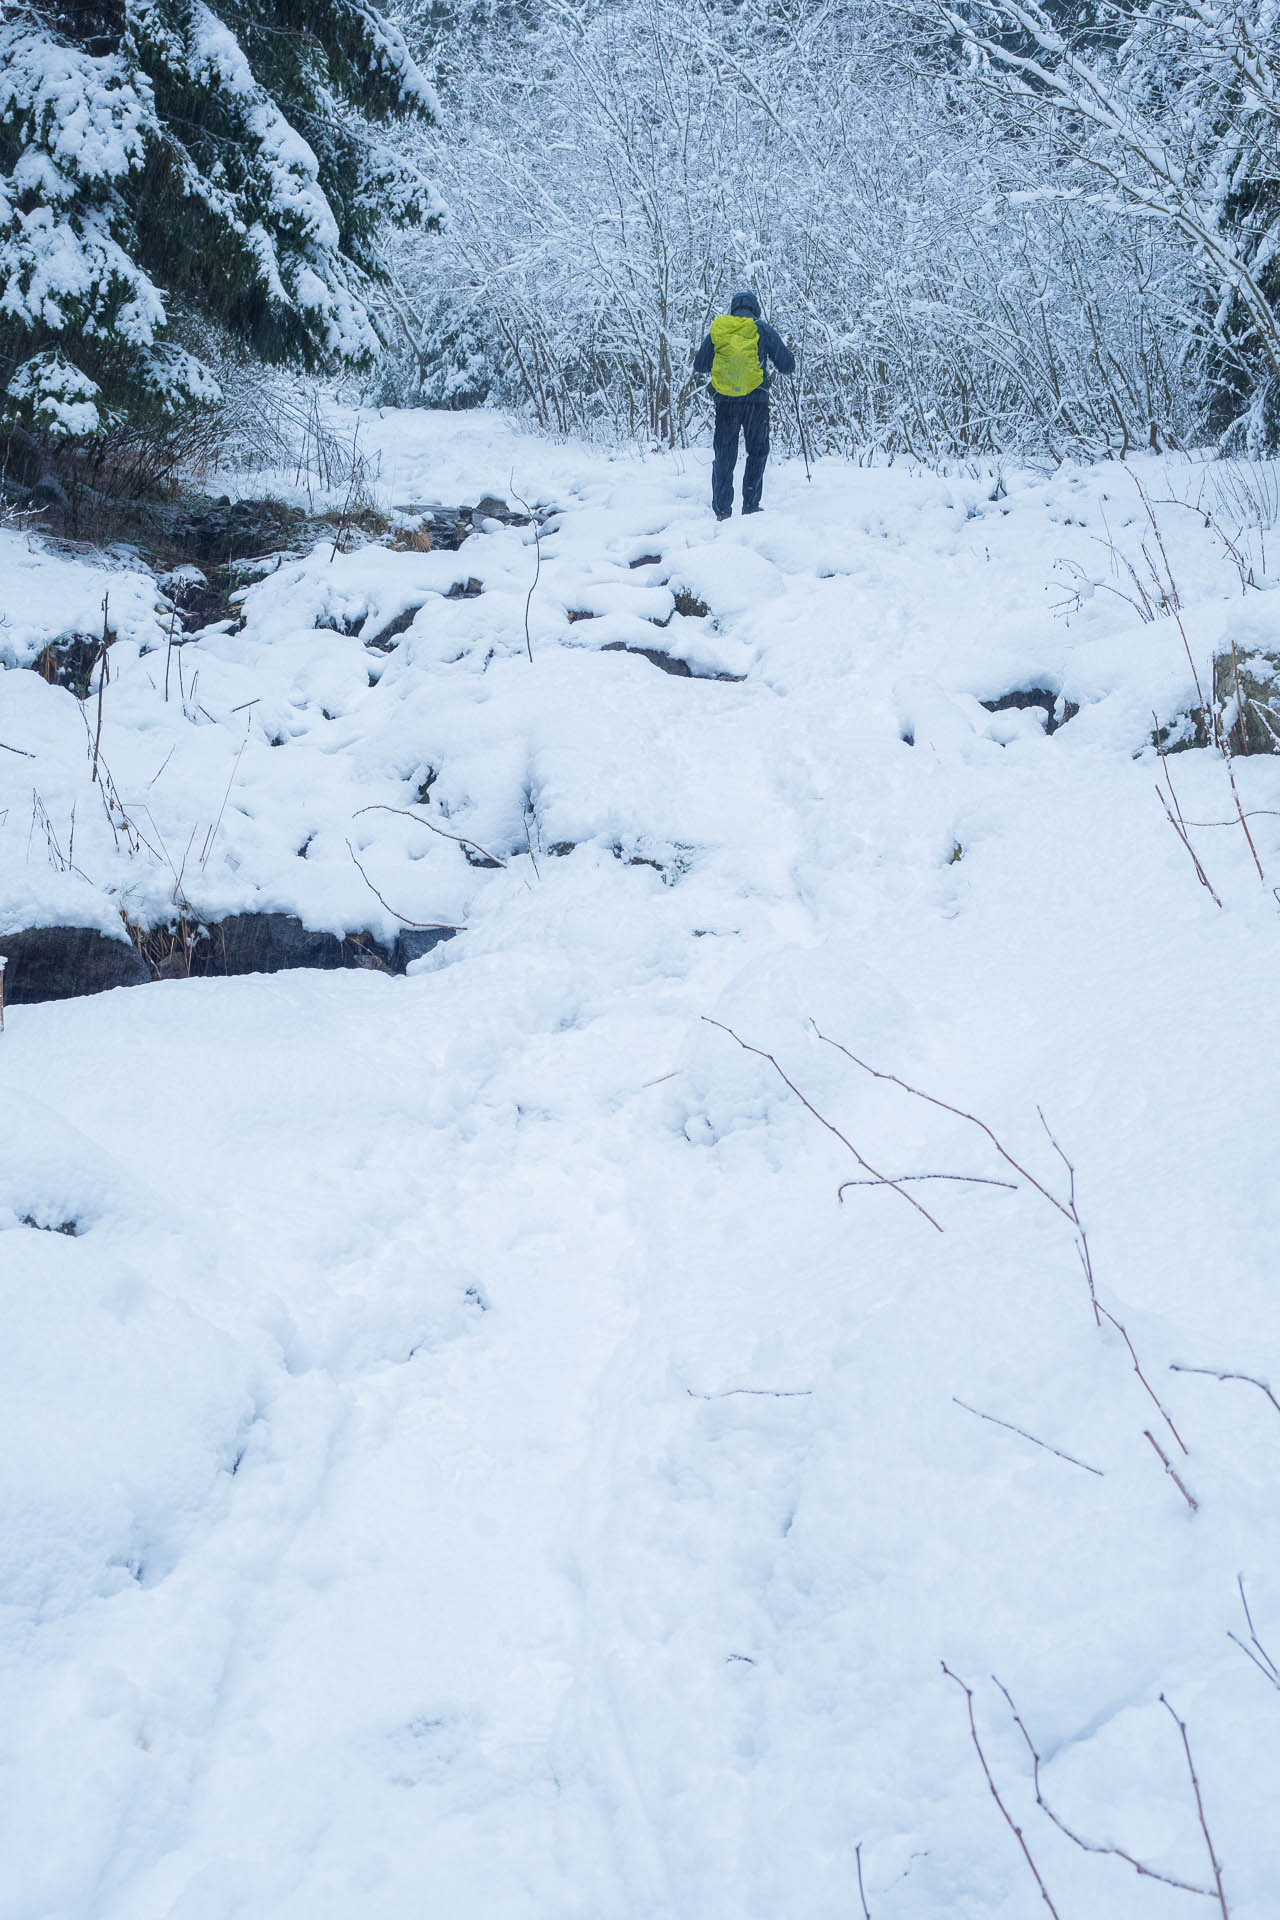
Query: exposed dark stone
[(412, 942), (580, 613), (1057, 710), (60, 963), (384, 640), (70, 1227), (559, 848), (69, 661), (690, 606), (205, 530), (475, 858), (270, 942), (469, 589), (1248, 685), (646, 560), (668, 662), (489, 508), (203, 601)]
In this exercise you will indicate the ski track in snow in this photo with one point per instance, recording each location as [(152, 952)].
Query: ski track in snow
[(468, 1462)]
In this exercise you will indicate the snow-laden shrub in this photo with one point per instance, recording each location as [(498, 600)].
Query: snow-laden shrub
[(614, 173), (1169, 115)]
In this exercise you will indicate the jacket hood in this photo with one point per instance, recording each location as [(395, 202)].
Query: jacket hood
[(745, 303)]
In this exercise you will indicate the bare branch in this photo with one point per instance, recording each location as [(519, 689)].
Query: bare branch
[(1213, 1374), (1146, 1383), (379, 806), (1255, 1651), (946, 1107), (1090, 1846), (845, 1142), (1190, 1498), (1181, 1725), (902, 1179), (1013, 1827), (857, 1855), (425, 926), (1010, 1428), (537, 567)]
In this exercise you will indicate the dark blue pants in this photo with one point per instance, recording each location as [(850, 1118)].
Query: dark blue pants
[(750, 418)]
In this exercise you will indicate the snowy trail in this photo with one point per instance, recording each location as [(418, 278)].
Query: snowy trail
[(468, 1461)]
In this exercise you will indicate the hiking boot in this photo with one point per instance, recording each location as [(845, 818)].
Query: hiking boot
[(753, 509), (724, 516)]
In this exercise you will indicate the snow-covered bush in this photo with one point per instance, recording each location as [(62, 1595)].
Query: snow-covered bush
[(175, 158), (613, 174), (1171, 116)]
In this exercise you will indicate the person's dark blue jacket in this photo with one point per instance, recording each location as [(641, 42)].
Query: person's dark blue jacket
[(772, 347)]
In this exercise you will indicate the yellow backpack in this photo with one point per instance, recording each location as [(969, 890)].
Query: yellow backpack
[(736, 368)]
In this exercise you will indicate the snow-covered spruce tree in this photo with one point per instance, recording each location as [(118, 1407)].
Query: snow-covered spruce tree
[(162, 159)]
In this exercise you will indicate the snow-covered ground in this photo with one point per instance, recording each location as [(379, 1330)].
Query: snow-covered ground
[(467, 1461)]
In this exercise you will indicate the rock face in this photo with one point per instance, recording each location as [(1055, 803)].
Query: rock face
[(413, 942), (1246, 694), (270, 942), (60, 963), (1056, 709)]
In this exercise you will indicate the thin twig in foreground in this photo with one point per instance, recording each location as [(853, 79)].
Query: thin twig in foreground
[(1256, 1652), (821, 1118), (1010, 1428), (902, 1179), (537, 568), (1201, 875), (1067, 1209), (424, 926), (919, 1094), (529, 843), (1155, 1399), (1213, 1374), (1012, 1825), (1090, 1846), (20, 750), (1181, 1725), (380, 806), (857, 1854), (1190, 1498), (759, 1393)]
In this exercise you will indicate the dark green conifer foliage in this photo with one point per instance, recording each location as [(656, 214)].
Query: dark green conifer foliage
[(210, 159)]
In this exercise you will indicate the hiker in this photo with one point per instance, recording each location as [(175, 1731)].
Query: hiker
[(736, 353)]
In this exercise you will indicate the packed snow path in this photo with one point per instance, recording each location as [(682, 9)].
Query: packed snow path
[(466, 1461)]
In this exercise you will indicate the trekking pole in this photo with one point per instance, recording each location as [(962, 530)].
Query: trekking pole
[(795, 395)]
